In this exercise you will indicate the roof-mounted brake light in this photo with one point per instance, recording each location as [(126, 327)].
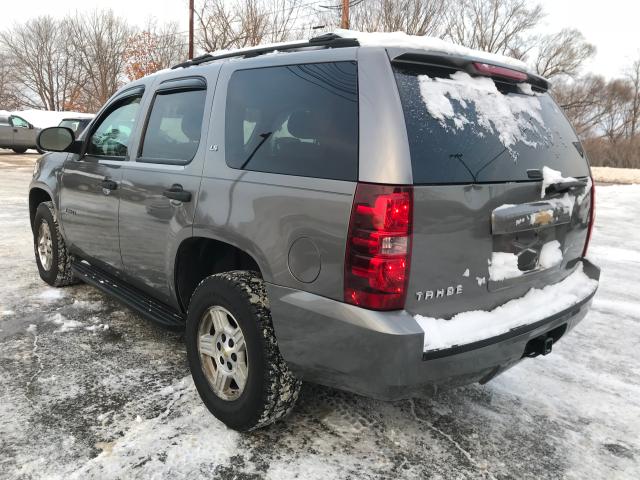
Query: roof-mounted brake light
[(496, 71)]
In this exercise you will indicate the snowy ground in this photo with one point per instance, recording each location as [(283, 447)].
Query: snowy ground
[(79, 400)]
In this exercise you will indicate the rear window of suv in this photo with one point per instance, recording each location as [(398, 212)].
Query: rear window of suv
[(294, 120), (465, 129)]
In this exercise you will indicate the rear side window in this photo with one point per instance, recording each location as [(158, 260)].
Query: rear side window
[(294, 120), (465, 129), (174, 126)]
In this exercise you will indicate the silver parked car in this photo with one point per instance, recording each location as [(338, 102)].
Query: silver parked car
[(19, 130), (17, 134)]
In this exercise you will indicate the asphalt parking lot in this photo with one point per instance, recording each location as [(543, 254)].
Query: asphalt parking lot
[(90, 390)]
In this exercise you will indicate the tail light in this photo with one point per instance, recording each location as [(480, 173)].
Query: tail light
[(378, 247), (592, 217)]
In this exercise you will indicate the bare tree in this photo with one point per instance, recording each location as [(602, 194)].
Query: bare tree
[(414, 17), (99, 41), (284, 19), (581, 99), (633, 120), (48, 72), (223, 25), (154, 48), (562, 53), (8, 88), (496, 26)]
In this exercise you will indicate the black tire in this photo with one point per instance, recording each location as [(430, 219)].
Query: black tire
[(271, 390), (59, 273), (19, 150)]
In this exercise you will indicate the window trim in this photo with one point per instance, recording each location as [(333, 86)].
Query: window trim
[(28, 126), (168, 87), (137, 91)]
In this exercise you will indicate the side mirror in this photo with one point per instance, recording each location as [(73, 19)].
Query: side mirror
[(30, 127), (56, 139)]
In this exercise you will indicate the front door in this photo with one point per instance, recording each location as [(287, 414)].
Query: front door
[(91, 180), (23, 133), (160, 188)]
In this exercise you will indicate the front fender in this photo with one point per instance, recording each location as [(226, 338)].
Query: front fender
[(45, 182)]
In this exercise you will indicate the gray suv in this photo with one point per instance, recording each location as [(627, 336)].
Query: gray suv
[(379, 219)]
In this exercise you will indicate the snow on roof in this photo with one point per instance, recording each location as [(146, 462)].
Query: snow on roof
[(432, 44), (46, 118), (396, 39)]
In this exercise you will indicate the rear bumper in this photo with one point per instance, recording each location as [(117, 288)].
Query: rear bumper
[(380, 354)]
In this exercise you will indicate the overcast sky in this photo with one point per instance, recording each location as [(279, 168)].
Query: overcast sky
[(611, 25)]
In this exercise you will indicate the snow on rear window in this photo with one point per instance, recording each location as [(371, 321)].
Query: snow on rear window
[(450, 100), (464, 129)]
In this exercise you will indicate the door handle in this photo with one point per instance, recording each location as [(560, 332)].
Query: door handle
[(177, 193), (108, 184)]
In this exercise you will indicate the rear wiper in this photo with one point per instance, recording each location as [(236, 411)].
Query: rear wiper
[(561, 187), (264, 136)]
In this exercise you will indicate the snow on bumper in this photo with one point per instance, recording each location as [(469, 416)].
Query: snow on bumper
[(536, 305)]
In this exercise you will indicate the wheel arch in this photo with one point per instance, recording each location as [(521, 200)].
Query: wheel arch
[(37, 195), (201, 256)]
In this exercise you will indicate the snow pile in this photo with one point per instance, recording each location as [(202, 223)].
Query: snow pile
[(51, 294), (65, 324), (497, 114), (431, 44), (46, 118), (550, 255), (503, 265), (551, 176), (537, 304)]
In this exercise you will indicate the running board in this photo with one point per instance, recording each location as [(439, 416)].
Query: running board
[(139, 301)]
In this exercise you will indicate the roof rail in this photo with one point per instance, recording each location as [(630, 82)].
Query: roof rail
[(328, 40)]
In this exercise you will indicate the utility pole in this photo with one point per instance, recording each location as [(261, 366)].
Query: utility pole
[(190, 29), (345, 14)]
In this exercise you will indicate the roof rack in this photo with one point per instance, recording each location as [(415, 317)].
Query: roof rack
[(328, 40)]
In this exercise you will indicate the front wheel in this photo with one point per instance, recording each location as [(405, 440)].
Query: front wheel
[(54, 262), (233, 353), (19, 150)]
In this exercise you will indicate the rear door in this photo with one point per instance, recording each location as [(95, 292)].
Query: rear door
[(160, 188), (485, 231)]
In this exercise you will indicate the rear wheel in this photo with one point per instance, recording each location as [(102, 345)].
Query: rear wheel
[(54, 262), (19, 150), (233, 353)]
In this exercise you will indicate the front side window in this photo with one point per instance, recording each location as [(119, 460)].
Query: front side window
[(19, 122), (174, 126), (294, 120), (111, 137)]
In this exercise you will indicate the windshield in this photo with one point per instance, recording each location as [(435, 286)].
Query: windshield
[(465, 129)]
